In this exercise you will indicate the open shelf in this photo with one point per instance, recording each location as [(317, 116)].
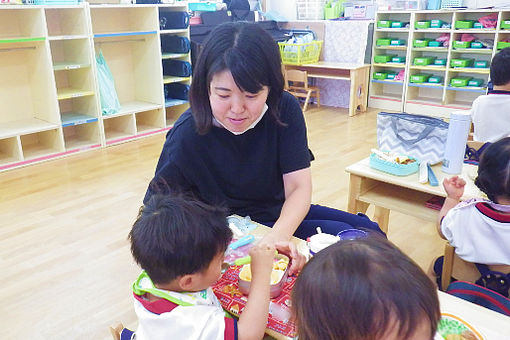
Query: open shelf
[(173, 79), (74, 83), (40, 144), (21, 24), (119, 129), (149, 121), (174, 31), (173, 102), (112, 20), (10, 150), (70, 54), (173, 112), (66, 22), (83, 136), (174, 55), (396, 65), (472, 50), (428, 68), (481, 90)]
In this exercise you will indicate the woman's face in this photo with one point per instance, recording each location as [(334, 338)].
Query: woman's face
[(233, 108)]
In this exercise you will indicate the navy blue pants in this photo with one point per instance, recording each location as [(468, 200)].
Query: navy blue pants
[(331, 221)]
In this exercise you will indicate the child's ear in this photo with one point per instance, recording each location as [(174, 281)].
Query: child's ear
[(186, 282)]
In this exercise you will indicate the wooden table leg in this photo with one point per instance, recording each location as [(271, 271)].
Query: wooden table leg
[(363, 88), (354, 205), (358, 91), (382, 217)]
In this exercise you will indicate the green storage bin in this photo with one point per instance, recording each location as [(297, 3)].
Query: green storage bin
[(481, 64), (379, 59), (423, 61), (475, 82), (440, 62), (398, 24), (384, 24), (460, 81), (391, 75), (400, 60), (463, 24), (419, 78), (436, 23), (380, 75), (477, 25), (422, 24), (476, 44), (434, 43), (383, 42), (435, 80), (502, 44), (397, 42), (505, 24), (461, 62), (421, 42), (461, 44)]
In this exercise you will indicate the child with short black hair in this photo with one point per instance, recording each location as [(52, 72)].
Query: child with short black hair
[(491, 113), (180, 244), (364, 289), (479, 229)]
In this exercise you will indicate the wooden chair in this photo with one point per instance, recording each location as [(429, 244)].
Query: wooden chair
[(119, 332), (296, 82), (454, 266)]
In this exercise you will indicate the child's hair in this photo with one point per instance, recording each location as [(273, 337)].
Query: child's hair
[(360, 289), (494, 170), (500, 67), (176, 235)]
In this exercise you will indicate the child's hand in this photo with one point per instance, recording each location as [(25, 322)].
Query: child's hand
[(262, 258), (297, 259), (454, 187)]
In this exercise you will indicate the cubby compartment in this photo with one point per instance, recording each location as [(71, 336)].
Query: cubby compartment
[(28, 95), (135, 63), (82, 136), (424, 40), (147, 121), (119, 20), (74, 83), (173, 112), (42, 143), (70, 54), (10, 150), (503, 41), (393, 21), (119, 128), (469, 21), (68, 22), (78, 110), (483, 43), (21, 24), (439, 21)]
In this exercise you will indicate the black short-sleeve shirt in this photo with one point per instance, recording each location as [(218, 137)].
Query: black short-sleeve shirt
[(242, 172)]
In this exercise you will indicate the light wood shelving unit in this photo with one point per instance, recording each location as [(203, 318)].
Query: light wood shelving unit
[(431, 99), (50, 96)]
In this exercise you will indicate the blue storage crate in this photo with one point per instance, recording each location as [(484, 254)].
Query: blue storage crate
[(202, 6)]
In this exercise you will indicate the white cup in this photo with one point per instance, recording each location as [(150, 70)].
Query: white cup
[(321, 241)]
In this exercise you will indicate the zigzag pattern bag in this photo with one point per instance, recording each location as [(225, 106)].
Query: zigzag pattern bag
[(421, 137)]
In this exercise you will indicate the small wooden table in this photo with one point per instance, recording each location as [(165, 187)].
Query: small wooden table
[(357, 74), (399, 193)]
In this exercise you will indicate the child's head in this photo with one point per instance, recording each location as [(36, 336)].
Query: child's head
[(494, 171), (500, 67), (364, 289), (176, 237)]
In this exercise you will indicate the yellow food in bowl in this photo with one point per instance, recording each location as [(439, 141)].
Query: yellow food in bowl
[(276, 275)]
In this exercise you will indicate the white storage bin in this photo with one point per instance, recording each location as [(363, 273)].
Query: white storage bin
[(310, 9)]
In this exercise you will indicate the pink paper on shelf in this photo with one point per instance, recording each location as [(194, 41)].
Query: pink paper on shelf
[(233, 301)]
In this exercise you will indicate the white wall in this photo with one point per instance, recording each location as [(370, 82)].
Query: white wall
[(285, 8)]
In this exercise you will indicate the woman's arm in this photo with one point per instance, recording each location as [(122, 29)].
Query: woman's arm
[(454, 188), (298, 197)]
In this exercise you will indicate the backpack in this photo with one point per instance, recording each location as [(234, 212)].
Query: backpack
[(479, 295), (240, 9), (496, 281)]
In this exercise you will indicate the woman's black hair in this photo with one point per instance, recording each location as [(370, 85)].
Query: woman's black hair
[(250, 54), (500, 67), (359, 290), (175, 235), (494, 170)]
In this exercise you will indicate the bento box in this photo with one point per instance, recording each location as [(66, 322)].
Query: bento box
[(394, 168), (278, 276)]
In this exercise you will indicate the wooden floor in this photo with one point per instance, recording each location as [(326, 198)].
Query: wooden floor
[(64, 257)]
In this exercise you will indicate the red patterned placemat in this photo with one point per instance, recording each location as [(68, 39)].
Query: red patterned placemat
[(232, 300)]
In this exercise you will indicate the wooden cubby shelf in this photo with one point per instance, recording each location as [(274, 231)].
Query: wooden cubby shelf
[(50, 94)]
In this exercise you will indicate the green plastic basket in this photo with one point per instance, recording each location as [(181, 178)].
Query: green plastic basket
[(460, 81), (298, 54), (461, 62), (464, 24), (421, 42), (461, 44)]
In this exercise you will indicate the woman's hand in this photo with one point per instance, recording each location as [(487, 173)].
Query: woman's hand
[(454, 187), (290, 249), (273, 237)]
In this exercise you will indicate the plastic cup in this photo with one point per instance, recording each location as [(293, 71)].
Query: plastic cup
[(320, 241)]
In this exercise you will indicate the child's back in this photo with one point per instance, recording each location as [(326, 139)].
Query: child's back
[(491, 113)]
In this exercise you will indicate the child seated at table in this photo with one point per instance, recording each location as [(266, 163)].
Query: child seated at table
[(180, 244), (491, 113), (364, 289), (479, 229)]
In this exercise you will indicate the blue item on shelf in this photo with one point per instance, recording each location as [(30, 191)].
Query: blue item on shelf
[(177, 68), (176, 91), (173, 20), (202, 6), (174, 44), (432, 177)]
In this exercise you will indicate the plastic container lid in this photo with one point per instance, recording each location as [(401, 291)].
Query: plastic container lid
[(351, 234)]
